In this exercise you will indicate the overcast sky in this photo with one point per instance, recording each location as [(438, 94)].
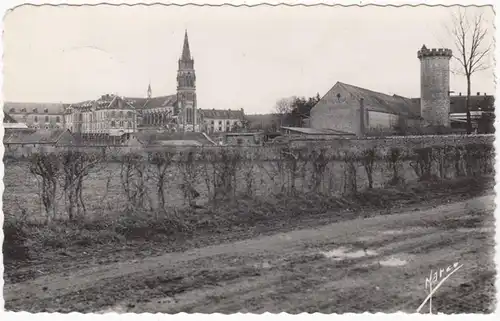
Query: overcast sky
[(244, 57)]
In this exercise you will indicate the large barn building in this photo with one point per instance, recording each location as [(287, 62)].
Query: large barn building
[(356, 110)]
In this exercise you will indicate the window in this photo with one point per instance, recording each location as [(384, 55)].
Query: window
[(58, 119), (113, 113), (220, 122), (46, 110), (12, 110), (212, 122), (80, 117), (121, 113), (46, 119), (121, 123), (129, 114), (36, 119), (112, 123)]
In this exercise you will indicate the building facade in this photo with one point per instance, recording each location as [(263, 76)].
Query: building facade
[(110, 115), (219, 120), (356, 110), (37, 115)]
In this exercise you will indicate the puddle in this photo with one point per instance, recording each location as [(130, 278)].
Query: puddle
[(411, 230), (393, 261), (263, 265), (393, 232), (477, 230), (115, 309), (342, 253)]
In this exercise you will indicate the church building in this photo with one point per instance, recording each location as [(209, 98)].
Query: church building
[(177, 112)]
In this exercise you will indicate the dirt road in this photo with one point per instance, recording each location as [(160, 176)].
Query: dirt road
[(377, 264)]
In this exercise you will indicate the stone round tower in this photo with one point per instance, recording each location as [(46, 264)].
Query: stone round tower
[(435, 86)]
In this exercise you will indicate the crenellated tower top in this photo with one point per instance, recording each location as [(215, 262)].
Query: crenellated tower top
[(434, 52)]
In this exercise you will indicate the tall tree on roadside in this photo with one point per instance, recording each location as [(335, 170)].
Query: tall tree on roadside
[(472, 49)]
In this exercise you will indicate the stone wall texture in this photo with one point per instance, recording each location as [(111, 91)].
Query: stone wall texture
[(434, 90)]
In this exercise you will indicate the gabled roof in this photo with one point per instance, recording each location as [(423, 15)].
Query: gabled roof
[(105, 101), (380, 102), (161, 138), (39, 108), (312, 131), (137, 102), (36, 137), (222, 114), (17, 136)]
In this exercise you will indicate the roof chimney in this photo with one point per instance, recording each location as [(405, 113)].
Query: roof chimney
[(460, 94), (478, 93), (485, 94)]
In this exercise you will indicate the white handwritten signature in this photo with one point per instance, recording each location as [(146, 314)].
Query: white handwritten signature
[(440, 276)]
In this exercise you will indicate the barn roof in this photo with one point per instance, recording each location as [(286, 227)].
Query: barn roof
[(381, 102)]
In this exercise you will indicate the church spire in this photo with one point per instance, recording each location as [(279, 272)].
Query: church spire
[(150, 92), (186, 53)]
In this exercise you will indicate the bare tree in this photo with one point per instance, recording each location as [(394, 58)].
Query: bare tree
[(473, 47), (284, 107)]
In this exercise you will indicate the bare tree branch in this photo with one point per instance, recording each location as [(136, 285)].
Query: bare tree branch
[(471, 48)]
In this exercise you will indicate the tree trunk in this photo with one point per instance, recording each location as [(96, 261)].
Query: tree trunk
[(469, 120)]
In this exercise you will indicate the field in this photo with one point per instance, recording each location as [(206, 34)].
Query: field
[(282, 235)]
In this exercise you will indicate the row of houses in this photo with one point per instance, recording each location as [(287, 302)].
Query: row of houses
[(115, 115)]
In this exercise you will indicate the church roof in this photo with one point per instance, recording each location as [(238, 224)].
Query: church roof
[(162, 101)]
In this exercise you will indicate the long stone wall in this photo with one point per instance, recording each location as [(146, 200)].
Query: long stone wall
[(336, 145)]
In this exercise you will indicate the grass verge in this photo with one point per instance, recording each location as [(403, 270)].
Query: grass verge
[(25, 240)]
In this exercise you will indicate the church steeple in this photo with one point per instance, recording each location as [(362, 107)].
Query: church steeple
[(186, 53), (186, 89), (150, 92)]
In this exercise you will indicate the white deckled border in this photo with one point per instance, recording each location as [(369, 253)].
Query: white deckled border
[(8, 4)]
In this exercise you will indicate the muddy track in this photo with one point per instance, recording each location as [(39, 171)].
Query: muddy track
[(286, 271)]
